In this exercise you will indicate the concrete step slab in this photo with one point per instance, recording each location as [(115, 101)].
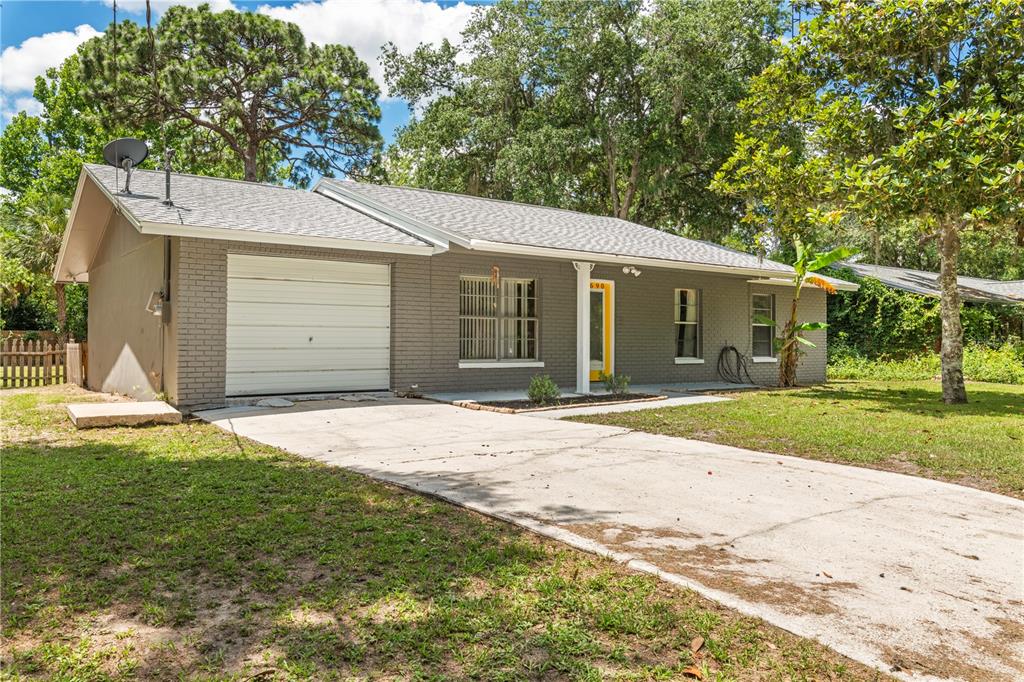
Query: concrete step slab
[(94, 415)]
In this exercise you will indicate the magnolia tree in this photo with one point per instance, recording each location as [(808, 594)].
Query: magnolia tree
[(889, 112)]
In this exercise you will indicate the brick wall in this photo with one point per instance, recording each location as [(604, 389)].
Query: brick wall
[(425, 307)]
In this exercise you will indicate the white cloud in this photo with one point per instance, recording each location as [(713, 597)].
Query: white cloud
[(366, 26), (10, 106), (20, 65), (158, 6), (29, 105)]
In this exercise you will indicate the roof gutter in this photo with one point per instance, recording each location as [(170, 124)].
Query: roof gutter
[(591, 256), (235, 235), (841, 285), (390, 216)]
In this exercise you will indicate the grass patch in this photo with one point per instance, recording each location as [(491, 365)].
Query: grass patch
[(186, 553), (897, 426)]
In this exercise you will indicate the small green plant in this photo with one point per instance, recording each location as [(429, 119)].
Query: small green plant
[(616, 384), (542, 389), (1004, 365)]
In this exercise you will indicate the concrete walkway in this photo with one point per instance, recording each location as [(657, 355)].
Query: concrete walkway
[(916, 577)]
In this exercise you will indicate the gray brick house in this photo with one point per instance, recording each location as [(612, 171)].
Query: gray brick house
[(249, 289)]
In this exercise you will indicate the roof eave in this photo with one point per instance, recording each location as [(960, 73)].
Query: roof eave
[(230, 234), (593, 256), (840, 285), (59, 264)]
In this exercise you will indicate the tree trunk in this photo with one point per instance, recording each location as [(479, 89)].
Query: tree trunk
[(787, 363), (62, 310), (953, 390), (249, 161)]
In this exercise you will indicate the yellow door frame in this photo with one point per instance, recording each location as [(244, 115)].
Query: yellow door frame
[(608, 288)]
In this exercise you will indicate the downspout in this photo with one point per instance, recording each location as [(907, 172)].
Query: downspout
[(165, 313)]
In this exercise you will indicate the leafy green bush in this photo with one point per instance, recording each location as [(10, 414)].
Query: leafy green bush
[(616, 384), (878, 322), (1004, 365), (542, 389)]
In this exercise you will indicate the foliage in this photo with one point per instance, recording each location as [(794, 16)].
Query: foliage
[(806, 263), (15, 278), (616, 384), (1002, 364), (900, 426), (542, 389), (621, 108), (33, 234), (925, 127), (877, 320), (78, 311), (247, 84), (35, 306)]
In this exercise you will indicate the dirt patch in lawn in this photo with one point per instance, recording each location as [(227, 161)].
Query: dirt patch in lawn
[(937, 662), (715, 567)]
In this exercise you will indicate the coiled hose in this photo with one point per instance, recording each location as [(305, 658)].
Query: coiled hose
[(732, 366)]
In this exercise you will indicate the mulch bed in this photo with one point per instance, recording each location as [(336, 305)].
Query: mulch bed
[(512, 406)]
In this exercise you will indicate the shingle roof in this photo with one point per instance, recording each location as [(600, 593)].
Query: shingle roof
[(513, 223), (248, 206), (974, 289)]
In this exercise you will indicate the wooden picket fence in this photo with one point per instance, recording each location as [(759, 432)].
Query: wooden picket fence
[(32, 363)]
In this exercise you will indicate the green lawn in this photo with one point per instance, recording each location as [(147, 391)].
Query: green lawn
[(185, 553), (898, 426)]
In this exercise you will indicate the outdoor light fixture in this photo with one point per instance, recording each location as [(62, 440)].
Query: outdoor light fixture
[(630, 270)]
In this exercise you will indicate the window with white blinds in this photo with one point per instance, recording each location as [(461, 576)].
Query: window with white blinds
[(497, 322)]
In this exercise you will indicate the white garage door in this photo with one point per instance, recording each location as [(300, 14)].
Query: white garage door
[(298, 326)]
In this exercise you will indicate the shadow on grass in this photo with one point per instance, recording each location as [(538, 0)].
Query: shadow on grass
[(159, 540), (248, 560), (982, 401)]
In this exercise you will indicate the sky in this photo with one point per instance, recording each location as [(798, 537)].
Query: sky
[(38, 34)]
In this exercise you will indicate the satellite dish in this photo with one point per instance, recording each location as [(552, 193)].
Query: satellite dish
[(126, 153)]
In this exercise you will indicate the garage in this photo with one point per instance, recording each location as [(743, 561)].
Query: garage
[(296, 325)]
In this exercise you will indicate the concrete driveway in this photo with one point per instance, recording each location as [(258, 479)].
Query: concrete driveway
[(919, 578)]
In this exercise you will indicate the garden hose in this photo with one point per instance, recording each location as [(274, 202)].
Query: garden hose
[(732, 366)]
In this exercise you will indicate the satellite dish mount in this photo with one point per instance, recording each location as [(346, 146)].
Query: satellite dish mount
[(126, 153)]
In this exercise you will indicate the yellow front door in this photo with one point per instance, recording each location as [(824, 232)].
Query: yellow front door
[(602, 323)]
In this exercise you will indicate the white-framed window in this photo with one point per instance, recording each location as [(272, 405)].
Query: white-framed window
[(497, 322), (688, 324), (763, 333)]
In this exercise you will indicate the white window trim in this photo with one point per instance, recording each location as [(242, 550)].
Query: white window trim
[(763, 358), (690, 359), (498, 364)]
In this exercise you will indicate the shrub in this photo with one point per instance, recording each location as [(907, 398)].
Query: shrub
[(1004, 365), (879, 322), (616, 384), (542, 389)]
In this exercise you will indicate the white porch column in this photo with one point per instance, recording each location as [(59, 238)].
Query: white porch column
[(582, 325)]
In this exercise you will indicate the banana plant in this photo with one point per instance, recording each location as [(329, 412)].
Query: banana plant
[(807, 262)]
